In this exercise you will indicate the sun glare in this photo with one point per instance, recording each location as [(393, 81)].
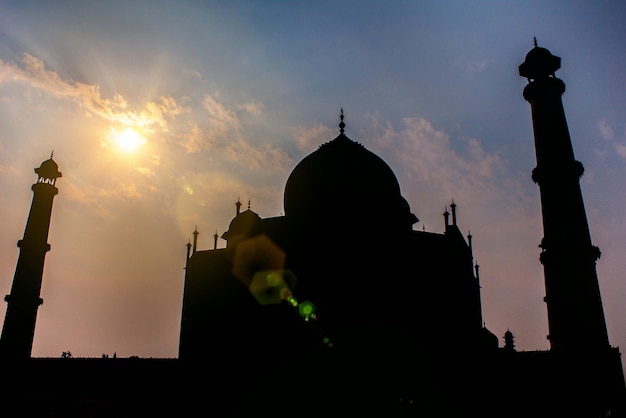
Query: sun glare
[(129, 140)]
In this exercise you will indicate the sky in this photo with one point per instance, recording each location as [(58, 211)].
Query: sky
[(163, 114)]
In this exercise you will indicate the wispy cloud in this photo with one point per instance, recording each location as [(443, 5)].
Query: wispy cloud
[(253, 108), (608, 134), (425, 154), (214, 127), (217, 128), (475, 67), (621, 150), (606, 131), (146, 171), (309, 138), (33, 72)]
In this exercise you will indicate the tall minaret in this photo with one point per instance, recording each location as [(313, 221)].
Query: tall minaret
[(18, 331), (575, 315)]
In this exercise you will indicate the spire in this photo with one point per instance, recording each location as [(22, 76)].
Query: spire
[(188, 253), (535, 41), (248, 203), (215, 236), (446, 217), (341, 124), (453, 207), (195, 239), (238, 207)]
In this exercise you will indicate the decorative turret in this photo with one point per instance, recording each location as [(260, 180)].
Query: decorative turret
[(539, 63), (575, 314), (509, 341), (24, 300)]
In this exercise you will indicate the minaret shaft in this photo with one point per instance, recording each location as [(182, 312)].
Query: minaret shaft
[(575, 314), (24, 300)]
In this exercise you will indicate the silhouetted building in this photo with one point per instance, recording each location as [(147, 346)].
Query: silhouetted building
[(347, 248), (24, 301), (340, 307)]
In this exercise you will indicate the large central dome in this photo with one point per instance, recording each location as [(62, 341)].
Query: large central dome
[(343, 177)]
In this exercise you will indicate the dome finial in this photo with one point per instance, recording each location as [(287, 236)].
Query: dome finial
[(341, 124), (535, 41)]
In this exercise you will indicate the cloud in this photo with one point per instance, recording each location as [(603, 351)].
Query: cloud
[(432, 164), (621, 150), (606, 131), (253, 108), (428, 154), (146, 171), (221, 117), (219, 125), (9, 170), (212, 124), (217, 128), (196, 140), (309, 138), (474, 67), (121, 192), (33, 72), (83, 199)]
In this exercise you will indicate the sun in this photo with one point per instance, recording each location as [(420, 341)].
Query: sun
[(129, 140)]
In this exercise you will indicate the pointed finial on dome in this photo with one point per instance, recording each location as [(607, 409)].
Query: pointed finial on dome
[(535, 41), (51, 154), (341, 124)]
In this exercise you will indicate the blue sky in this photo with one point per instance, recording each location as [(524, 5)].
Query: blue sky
[(226, 97)]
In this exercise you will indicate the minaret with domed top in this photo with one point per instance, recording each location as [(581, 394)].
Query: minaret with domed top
[(24, 300), (575, 314)]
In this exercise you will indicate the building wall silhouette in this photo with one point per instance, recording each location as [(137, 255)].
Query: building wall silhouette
[(421, 285)]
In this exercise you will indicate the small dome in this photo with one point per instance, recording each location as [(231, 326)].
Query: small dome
[(489, 339), (243, 224), (539, 63), (48, 169)]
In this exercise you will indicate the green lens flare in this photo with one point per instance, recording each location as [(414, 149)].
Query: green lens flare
[(306, 309)]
